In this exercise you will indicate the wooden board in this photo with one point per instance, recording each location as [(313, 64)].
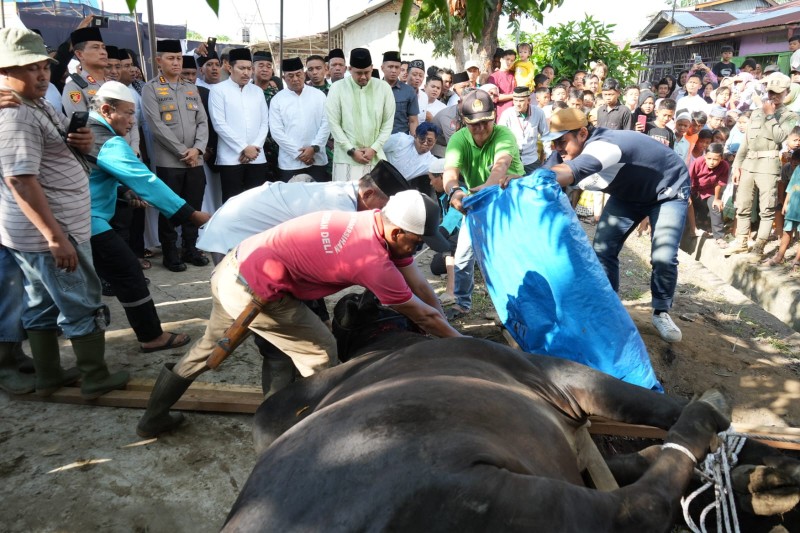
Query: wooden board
[(228, 398)]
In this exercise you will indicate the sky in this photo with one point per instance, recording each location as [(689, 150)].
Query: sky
[(303, 17)]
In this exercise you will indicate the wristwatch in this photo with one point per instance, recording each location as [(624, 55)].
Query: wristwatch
[(452, 191), (351, 151), (316, 149)]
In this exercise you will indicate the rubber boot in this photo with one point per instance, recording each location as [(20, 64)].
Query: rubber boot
[(11, 380), (47, 360), (739, 246), (275, 375), (168, 389), (24, 363), (95, 378)]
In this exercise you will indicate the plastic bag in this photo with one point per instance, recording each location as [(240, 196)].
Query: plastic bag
[(546, 283)]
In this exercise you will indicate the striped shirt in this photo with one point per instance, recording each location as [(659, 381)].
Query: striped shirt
[(30, 144)]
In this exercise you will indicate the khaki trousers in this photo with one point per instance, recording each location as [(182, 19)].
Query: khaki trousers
[(745, 193), (287, 323)]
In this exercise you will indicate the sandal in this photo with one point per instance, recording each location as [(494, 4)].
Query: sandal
[(455, 312), (772, 262), (146, 265), (147, 254), (171, 343)]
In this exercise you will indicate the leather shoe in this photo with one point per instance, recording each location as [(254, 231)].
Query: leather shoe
[(175, 267), (196, 258)]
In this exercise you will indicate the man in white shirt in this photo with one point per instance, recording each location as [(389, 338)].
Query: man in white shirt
[(428, 99), (240, 118), (412, 156), (528, 124), (692, 101), (299, 125)]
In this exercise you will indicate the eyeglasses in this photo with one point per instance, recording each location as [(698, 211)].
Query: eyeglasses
[(426, 140)]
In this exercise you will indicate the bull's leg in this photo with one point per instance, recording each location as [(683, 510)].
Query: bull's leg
[(582, 391)]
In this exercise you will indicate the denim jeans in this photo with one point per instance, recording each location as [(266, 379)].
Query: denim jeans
[(667, 220), (56, 298), (11, 306), (464, 259)]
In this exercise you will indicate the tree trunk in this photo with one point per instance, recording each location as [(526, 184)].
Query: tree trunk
[(459, 50), (489, 36)]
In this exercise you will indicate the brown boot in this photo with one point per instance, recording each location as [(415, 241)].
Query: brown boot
[(739, 246)]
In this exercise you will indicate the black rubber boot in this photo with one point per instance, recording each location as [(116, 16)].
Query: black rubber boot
[(95, 378), (47, 360), (275, 375), (24, 363), (11, 379), (168, 389)]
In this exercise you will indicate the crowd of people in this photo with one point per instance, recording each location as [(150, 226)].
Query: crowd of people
[(221, 143)]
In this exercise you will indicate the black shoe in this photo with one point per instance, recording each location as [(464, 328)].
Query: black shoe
[(195, 257), (108, 290), (175, 267)]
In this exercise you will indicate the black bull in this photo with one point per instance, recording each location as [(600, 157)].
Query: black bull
[(461, 435)]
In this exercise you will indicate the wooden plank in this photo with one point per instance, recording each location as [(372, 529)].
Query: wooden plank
[(231, 398)]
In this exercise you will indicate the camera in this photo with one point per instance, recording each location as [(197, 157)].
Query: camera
[(99, 22)]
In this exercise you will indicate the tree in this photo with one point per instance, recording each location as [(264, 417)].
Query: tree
[(448, 40), (194, 35), (575, 45)]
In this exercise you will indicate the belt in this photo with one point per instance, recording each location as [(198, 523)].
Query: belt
[(764, 153)]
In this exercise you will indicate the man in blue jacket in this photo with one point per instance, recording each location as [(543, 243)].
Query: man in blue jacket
[(113, 163)]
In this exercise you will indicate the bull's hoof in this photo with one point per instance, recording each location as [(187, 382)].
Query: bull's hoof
[(764, 491), (717, 399)]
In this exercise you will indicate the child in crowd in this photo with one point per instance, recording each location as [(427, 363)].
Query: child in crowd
[(682, 124), (791, 145), (658, 129), (589, 100), (631, 97), (737, 136), (523, 68), (709, 175), (725, 68), (646, 107), (791, 212), (704, 138), (720, 135)]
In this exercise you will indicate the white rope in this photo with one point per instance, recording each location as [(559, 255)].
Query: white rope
[(716, 470)]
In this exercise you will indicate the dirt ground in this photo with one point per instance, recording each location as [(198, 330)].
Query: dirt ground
[(67, 468)]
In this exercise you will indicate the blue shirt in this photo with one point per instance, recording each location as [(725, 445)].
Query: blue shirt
[(405, 106), (112, 163), (629, 166)]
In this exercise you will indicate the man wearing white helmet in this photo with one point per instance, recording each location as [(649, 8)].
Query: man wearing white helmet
[(310, 257), (113, 162)]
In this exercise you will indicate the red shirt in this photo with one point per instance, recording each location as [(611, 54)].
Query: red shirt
[(319, 254), (505, 81), (704, 180)]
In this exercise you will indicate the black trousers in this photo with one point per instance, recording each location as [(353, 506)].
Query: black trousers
[(317, 172), (189, 183), (117, 264), (235, 179)]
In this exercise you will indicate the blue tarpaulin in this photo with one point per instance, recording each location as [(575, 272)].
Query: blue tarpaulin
[(547, 285)]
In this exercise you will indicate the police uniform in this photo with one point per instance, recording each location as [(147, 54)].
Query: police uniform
[(178, 122), (79, 90), (760, 163)]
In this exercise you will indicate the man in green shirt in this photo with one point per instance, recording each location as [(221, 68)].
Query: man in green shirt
[(483, 154)]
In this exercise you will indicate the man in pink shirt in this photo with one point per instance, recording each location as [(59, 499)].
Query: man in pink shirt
[(306, 258)]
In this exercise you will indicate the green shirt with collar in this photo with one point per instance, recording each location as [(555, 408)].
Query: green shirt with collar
[(474, 162)]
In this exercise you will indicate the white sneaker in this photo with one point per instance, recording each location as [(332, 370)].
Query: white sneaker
[(667, 328)]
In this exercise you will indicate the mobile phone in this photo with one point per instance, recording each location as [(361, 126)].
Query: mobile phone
[(77, 120), (642, 120), (211, 44), (697, 59), (99, 22)]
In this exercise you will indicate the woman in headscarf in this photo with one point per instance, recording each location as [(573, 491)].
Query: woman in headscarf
[(646, 108)]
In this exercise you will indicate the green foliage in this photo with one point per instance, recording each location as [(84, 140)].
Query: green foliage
[(213, 4), (194, 35), (223, 39), (573, 46), (435, 29)]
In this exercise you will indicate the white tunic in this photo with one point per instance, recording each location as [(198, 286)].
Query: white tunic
[(268, 205), (401, 152), (298, 120), (240, 118), (527, 130)]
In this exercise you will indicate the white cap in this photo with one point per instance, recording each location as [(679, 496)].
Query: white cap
[(115, 90), (470, 64), (437, 166), (413, 212)]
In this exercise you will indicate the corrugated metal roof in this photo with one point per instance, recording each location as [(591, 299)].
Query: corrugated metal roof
[(787, 14), (693, 21), (698, 19)]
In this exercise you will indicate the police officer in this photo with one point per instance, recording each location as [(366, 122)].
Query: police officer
[(87, 43), (758, 165), (179, 126)]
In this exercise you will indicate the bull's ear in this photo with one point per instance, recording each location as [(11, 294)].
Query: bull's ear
[(350, 313), (368, 301)]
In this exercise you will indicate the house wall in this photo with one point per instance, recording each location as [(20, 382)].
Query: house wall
[(378, 32), (763, 43)]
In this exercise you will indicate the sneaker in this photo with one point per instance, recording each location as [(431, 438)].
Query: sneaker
[(667, 328)]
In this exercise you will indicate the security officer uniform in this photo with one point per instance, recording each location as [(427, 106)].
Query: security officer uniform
[(178, 122), (760, 163), (79, 89)]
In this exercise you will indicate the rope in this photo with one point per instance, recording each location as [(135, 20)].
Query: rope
[(716, 470), (758, 436)]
